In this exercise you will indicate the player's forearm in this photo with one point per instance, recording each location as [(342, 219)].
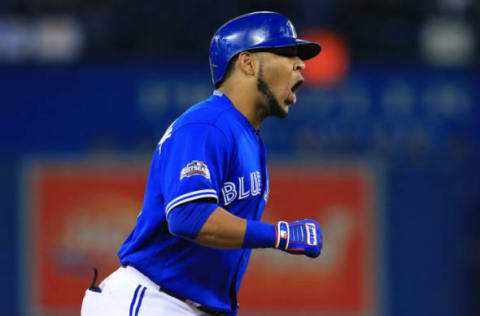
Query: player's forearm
[(222, 230), (210, 225)]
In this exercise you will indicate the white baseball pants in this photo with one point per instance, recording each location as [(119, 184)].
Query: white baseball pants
[(128, 292)]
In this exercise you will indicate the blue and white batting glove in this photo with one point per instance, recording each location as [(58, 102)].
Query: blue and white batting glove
[(302, 237)]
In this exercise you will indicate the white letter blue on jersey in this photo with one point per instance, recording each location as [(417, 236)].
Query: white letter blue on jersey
[(211, 151)]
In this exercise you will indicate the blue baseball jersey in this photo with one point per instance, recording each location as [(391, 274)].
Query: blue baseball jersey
[(211, 151)]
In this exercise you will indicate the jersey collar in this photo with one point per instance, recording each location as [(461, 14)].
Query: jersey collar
[(245, 122)]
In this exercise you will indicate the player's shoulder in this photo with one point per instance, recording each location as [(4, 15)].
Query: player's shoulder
[(213, 112)]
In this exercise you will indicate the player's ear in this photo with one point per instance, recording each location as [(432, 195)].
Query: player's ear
[(247, 63)]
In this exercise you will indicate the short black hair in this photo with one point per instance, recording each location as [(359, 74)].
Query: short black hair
[(228, 71)]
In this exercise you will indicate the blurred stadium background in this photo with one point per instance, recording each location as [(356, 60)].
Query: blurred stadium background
[(382, 146)]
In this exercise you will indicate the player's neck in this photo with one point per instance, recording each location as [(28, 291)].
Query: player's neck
[(245, 103)]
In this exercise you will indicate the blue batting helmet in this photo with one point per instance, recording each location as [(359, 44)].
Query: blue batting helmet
[(252, 31)]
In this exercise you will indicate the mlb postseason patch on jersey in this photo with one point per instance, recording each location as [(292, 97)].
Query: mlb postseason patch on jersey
[(196, 167)]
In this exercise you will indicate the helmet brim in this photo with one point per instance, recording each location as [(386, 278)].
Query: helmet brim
[(305, 49)]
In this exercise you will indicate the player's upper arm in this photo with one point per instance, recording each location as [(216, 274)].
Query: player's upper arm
[(195, 160), (187, 220)]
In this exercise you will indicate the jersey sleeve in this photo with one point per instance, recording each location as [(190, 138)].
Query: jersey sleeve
[(194, 161)]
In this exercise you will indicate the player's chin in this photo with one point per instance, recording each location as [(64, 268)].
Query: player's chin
[(286, 107), (282, 110)]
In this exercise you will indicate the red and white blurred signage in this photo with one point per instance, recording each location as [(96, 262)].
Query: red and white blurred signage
[(343, 280), (78, 214)]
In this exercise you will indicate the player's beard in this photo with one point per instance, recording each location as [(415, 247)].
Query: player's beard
[(274, 107)]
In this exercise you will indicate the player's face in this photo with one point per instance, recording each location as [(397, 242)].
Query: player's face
[(279, 76)]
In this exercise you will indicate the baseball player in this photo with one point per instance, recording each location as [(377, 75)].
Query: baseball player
[(208, 184)]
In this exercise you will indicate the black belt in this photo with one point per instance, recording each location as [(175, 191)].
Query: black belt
[(205, 309)]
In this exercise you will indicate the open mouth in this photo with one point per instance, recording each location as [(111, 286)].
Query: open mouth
[(296, 86), (292, 97)]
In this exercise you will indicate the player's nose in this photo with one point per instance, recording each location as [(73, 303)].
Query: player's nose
[(299, 64)]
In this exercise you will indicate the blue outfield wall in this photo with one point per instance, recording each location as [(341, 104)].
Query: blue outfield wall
[(422, 124)]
